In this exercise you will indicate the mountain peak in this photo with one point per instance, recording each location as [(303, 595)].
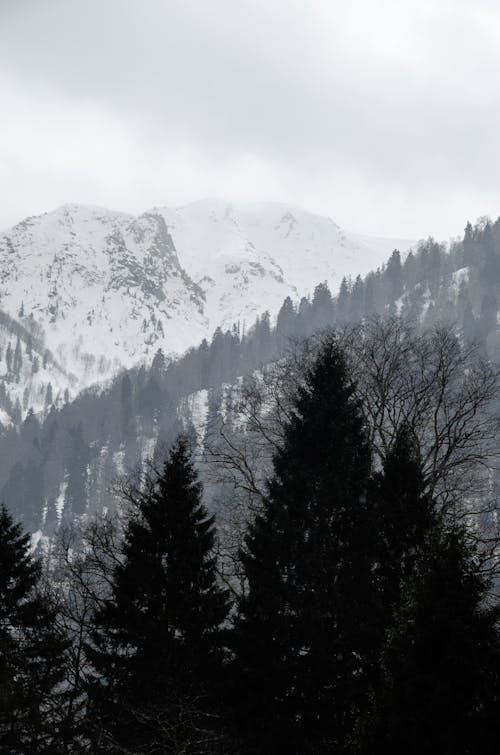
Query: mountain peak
[(105, 289)]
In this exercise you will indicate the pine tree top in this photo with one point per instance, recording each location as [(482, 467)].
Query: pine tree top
[(19, 572), (166, 603)]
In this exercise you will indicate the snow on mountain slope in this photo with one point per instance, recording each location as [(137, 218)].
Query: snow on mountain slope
[(30, 377), (248, 256), (106, 289)]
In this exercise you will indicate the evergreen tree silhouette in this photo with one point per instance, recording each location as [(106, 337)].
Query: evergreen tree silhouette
[(402, 517), (356, 303), (322, 306), (158, 642), (300, 634), (343, 299), (441, 663), (286, 323), (32, 652), (76, 492), (394, 275), (18, 360)]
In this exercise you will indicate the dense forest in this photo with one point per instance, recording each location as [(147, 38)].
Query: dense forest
[(249, 377), (280, 543), (61, 464), (352, 610)]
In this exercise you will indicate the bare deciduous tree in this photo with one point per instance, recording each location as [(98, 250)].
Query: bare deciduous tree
[(443, 391), (239, 449), (80, 565)]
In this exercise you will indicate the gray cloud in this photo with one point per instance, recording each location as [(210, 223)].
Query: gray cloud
[(384, 115)]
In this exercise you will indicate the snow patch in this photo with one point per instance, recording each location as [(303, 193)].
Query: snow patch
[(59, 505)]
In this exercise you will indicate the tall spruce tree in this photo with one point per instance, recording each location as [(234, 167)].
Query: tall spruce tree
[(301, 631), (402, 516), (441, 663), (32, 652), (158, 643)]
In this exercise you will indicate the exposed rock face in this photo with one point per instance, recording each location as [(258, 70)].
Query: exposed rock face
[(88, 291)]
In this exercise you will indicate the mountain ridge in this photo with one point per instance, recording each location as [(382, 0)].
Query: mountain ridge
[(106, 288), (61, 464)]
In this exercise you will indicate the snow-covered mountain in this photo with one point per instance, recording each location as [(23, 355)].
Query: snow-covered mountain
[(104, 290), (248, 256), (30, 376)]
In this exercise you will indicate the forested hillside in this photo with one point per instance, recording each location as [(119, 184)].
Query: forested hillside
[(249, 442), (308, 543), (350, 608), (61, 463), (104, 290)]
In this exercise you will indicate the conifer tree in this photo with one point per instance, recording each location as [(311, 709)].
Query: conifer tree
[(286, 322), (369, 306), (441, 663), (8, 357), (303, 317), (18, 360), (322, 306), (402, 516), (299, 637), (158, 364), (343, 300), (49, 396), (394, 275), (32, 652), (79, 458), (356, 302), (158, 645)]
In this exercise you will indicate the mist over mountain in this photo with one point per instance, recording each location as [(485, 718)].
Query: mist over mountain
[(62, 447), (95, 291), (249, 453)]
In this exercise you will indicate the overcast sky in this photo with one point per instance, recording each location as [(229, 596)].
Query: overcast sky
[(383, 114)]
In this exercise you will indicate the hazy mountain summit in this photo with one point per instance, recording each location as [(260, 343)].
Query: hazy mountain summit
[(104, 290), (61, 462), (248, 256), (101, 284)]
